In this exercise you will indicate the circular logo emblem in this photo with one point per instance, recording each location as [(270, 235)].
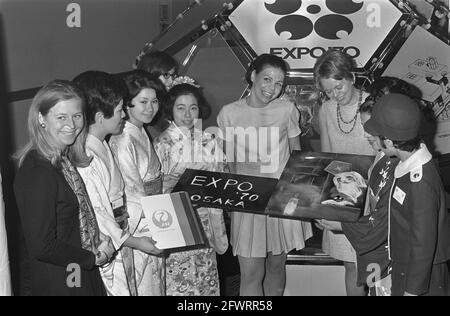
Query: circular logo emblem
[(162, 219), (329, 26)]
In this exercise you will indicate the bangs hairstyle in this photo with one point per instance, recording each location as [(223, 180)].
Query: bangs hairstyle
[(40, 140), (137, 80), (186, 89), (266, 60), (157, 63), (334, 64), (103, 93)]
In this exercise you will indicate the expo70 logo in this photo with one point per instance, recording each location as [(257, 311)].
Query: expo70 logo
[(330, 26)]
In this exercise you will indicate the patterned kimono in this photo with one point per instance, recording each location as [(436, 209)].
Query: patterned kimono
[(141, 172), (105, 187), (193, 273)]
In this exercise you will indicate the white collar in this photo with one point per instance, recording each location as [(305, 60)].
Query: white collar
[(413, 163), (97, 147), (130, 125)]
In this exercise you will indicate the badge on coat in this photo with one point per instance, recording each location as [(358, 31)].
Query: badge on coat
[(399, 195)]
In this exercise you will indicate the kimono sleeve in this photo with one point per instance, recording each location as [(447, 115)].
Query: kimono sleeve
[(125, 153), (101, 203)]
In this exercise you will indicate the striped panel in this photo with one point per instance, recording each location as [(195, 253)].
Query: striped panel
[(181, 209)]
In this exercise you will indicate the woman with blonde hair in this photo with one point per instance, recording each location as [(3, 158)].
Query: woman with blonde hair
[(62, 238), (341, 131)]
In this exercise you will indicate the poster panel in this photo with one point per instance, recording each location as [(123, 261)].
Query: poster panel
[(423, 61), (321, 185), (301, 31)]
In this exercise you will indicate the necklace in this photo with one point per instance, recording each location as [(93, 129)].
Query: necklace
[(352, 121)]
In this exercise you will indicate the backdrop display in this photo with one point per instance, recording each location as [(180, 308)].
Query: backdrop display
[(424, 62), (301, 31), (313, 186)]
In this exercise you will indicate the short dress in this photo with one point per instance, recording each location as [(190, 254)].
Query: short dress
[(336, 244), (253, 236)]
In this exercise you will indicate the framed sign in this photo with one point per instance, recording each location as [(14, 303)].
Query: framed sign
[(227, 191), (173, 222), (321, 186)]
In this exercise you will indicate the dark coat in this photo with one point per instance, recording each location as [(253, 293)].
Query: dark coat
[(420, 231), (49, 217), (369, 235)]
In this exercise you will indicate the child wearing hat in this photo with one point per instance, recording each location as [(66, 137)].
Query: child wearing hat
[(419, 225)]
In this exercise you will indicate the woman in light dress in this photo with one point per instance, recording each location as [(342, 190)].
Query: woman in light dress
[(260, 242)]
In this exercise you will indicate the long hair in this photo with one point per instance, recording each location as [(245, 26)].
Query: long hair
[(40, 140)]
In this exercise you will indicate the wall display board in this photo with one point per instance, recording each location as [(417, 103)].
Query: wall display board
[(424, 61)]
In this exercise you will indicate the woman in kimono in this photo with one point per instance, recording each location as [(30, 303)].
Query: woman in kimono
[(104, 183), (183, 145), (141, 170), (165, 67)]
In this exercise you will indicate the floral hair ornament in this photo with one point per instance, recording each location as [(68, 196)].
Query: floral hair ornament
[(185, 79)]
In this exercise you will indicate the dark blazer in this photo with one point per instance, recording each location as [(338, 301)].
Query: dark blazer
[(49, 217), (420, 233), (369, 236)]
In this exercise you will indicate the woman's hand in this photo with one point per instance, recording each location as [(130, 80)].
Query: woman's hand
[(101, 259), (148, 245), (104, 252)]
